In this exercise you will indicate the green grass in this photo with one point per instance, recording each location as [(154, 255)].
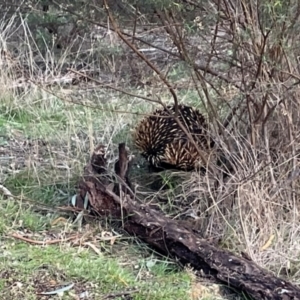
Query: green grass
[(47, 135), (27, 269), (47, 144)]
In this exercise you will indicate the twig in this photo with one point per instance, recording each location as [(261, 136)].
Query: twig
[(174, 54), (140, 54), (113, 87), (49, 242)]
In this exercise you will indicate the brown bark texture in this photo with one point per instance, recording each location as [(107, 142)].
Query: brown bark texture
[(111, 195)]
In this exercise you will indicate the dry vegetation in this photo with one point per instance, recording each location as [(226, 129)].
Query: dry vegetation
[(237, 61)]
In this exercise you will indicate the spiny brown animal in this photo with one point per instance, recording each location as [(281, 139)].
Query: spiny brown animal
[(163, 142)]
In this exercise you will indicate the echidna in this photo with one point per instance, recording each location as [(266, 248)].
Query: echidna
[(163, 142)]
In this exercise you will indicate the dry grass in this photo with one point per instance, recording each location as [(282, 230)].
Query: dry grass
[(46, 135), (248, 212)]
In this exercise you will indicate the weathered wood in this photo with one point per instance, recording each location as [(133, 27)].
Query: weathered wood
[(168, 237)]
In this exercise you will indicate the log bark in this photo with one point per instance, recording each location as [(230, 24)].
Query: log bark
[(112, 195)]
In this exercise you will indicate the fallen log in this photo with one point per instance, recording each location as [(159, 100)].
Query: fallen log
[(112, 195)]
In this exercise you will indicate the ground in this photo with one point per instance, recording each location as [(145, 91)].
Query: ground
[(44, 145), (50, 122)]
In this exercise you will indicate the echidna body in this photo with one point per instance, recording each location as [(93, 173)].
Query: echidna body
[(163, 142)]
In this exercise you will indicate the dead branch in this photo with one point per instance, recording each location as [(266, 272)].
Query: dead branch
[(168, 237)]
